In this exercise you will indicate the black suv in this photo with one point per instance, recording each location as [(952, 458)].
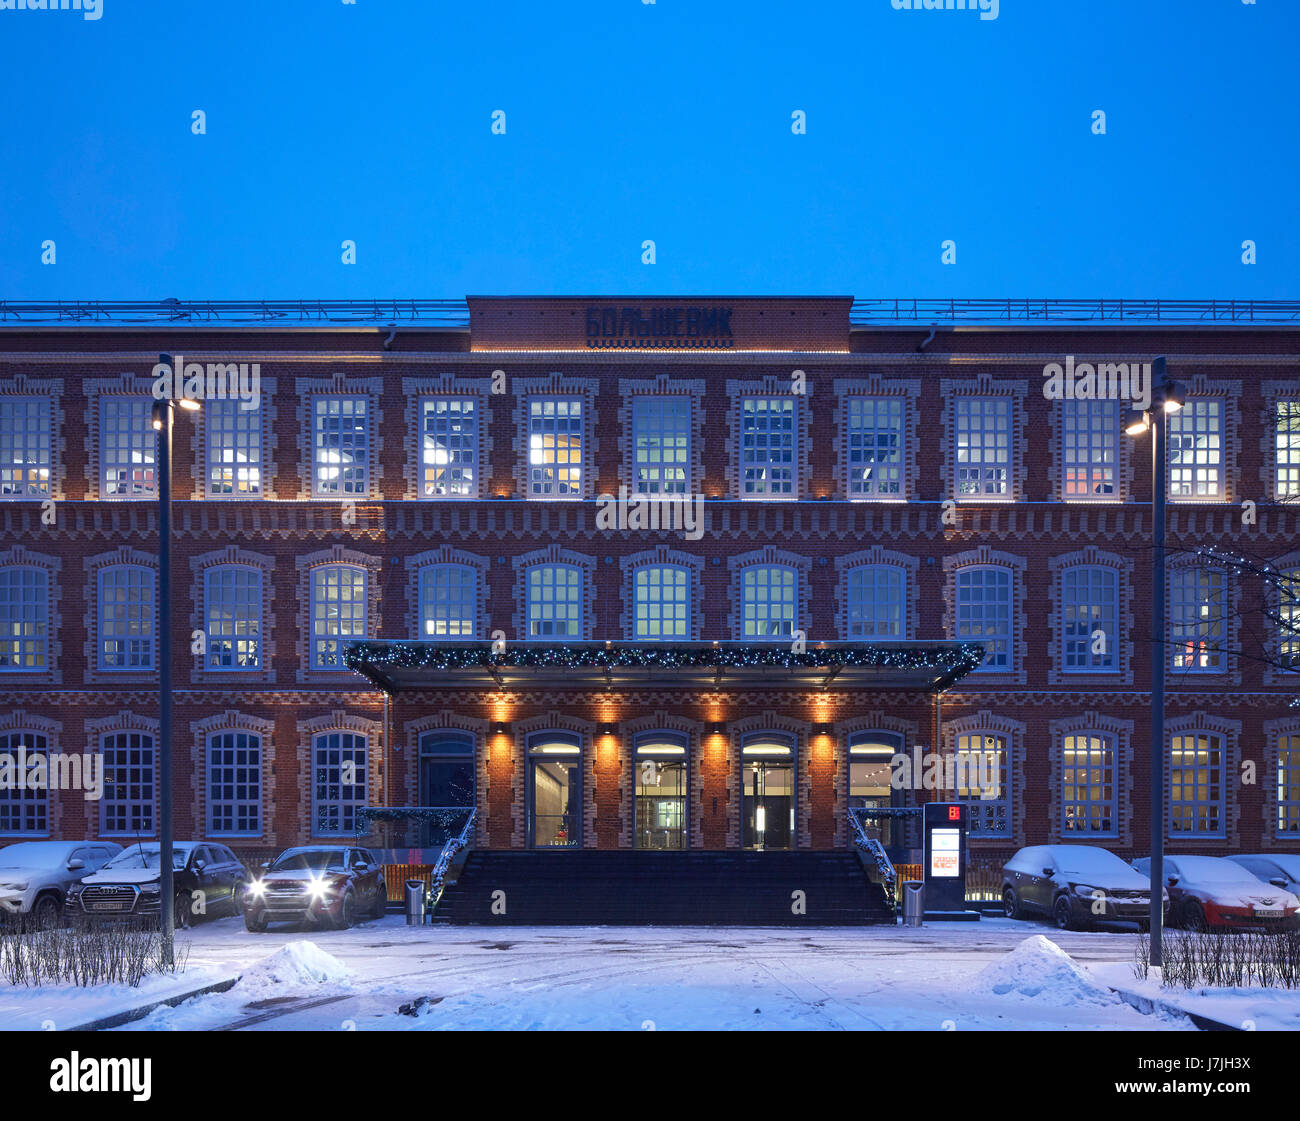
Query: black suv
[(209, 880)]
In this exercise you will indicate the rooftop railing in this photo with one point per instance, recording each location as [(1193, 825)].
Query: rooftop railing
[(1070, 312)]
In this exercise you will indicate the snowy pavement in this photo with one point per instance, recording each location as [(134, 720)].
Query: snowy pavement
[(992, 975)]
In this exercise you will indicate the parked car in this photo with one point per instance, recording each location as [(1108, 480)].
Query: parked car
[(1209, 892), (1064, 881), (1281, 869), (35, 875), (209, 879), (327, 885)]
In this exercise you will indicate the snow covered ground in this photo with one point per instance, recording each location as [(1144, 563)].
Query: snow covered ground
[(992, 975)]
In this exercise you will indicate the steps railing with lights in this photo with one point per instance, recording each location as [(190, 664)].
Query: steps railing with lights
[(875, 852)]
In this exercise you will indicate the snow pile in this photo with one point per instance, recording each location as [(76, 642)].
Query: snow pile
[(1039, 968), (295, 965)]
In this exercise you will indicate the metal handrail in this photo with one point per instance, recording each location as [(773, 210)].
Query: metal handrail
[(438, 877), (874, 849)]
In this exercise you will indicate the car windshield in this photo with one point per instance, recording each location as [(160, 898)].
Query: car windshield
[(1213, 870), (147, 856), (34, 854), (309, 860), (1290, 865), (1085, 861)]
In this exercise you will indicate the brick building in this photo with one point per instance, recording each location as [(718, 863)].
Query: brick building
[(403, 486)]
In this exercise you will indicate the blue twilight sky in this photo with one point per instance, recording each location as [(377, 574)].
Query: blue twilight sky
[(669, 121)]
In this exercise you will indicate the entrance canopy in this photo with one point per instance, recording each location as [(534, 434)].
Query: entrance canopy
[(404, 666)]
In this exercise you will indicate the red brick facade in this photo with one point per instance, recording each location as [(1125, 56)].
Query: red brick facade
[(540, 344)]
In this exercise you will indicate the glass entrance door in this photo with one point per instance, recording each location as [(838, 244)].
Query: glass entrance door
[(554, 791), (660, 804), (767, 795)]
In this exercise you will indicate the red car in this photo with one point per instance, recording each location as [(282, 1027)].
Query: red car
[(326, 885), (1212, 893)]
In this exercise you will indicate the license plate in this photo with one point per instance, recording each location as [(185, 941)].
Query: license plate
[(1259, 914), (107, 907)]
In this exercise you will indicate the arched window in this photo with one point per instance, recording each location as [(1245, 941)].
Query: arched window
[(554, 602), (1089, 768), (982, 771), (767, 761), (232, 599), (24, 805), (24, 619), (1090, 635), (554, 790), (446, 768), (984, 613), (769, 601), (338, 612), (339, 782), (126, 617), (1198, 619), (871, 771), (126, 808), (1196, 784), (661, 789), (663, 603), (448, 601), (235, 784), (876, 601)]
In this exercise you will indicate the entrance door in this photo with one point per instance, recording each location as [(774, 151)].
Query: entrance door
[(870, 786), (767, 792), (554, 791), (661, 789), (446, 780)]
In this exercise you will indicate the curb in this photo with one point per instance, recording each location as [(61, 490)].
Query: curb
[(1147, 1005), (107, 1023)]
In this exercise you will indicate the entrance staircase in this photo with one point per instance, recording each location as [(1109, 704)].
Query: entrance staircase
[(596, 887)]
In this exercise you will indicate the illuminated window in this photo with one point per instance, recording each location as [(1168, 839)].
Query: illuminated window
[(983, 434), (126, 808), (1196, 785), (661, 444), (1287, 445), (1288, 618), (234, 440), (660, 795), (768, 447), (340, 447), (338, 613), (232, 598), (876, 601), (1196, 450), (448, 601), (234, 784), (25, 461), (1090, 619), (1089, 449), (555, 601), (24, 619), (448, 447), (769, 601), (1198, 619), (663, 602), (1288, 783), (338, 783), (127, 446), (126, 617), (555, 447), (1088, 767), (981, 771), (983, 611), (875, 447), (25, 806)]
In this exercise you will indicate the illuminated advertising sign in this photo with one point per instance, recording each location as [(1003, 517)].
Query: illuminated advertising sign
[(945, 852)]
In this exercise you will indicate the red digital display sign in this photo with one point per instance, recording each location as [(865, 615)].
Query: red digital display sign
[(954, 813)]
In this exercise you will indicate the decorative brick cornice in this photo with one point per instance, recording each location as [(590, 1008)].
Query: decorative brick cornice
[(479, 390), (660, 555), (340, 384), (770, 385), (232, 720)]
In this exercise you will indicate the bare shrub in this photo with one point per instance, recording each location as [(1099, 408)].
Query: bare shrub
[(84, 956), (1225, 959)]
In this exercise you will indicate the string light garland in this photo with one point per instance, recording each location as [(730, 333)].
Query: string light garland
[(958, 658)]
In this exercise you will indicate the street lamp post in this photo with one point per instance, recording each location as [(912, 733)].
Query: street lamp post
[(163, 414), (1166, 397)]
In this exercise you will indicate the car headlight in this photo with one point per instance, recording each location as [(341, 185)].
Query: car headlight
[(150, 889), (15, 885), (257, 888), (1087, 890), (318, 889)]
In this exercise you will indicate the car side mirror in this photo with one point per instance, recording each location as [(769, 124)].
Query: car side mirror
[(265, 865), (1172, 880), (199, 865), (1049, 871), (1278, 881), (76, 864)]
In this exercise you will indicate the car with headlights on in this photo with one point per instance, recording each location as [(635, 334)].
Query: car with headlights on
[(1076, 886), (35, 876), (208, 879), (325, 885), (1213, 893)]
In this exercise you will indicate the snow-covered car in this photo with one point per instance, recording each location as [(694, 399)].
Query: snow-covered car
[(1077, 885), (327, 885), (35, 875), (1281, 869), (1212, 892), (208, 880)]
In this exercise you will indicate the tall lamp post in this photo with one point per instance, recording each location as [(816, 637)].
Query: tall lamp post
[(164, 410), (1166, 397)]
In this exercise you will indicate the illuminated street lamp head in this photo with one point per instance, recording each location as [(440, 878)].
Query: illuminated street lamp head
[(188, 403), (1136, 422)]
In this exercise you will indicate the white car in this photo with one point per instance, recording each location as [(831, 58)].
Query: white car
[(35, 875)]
